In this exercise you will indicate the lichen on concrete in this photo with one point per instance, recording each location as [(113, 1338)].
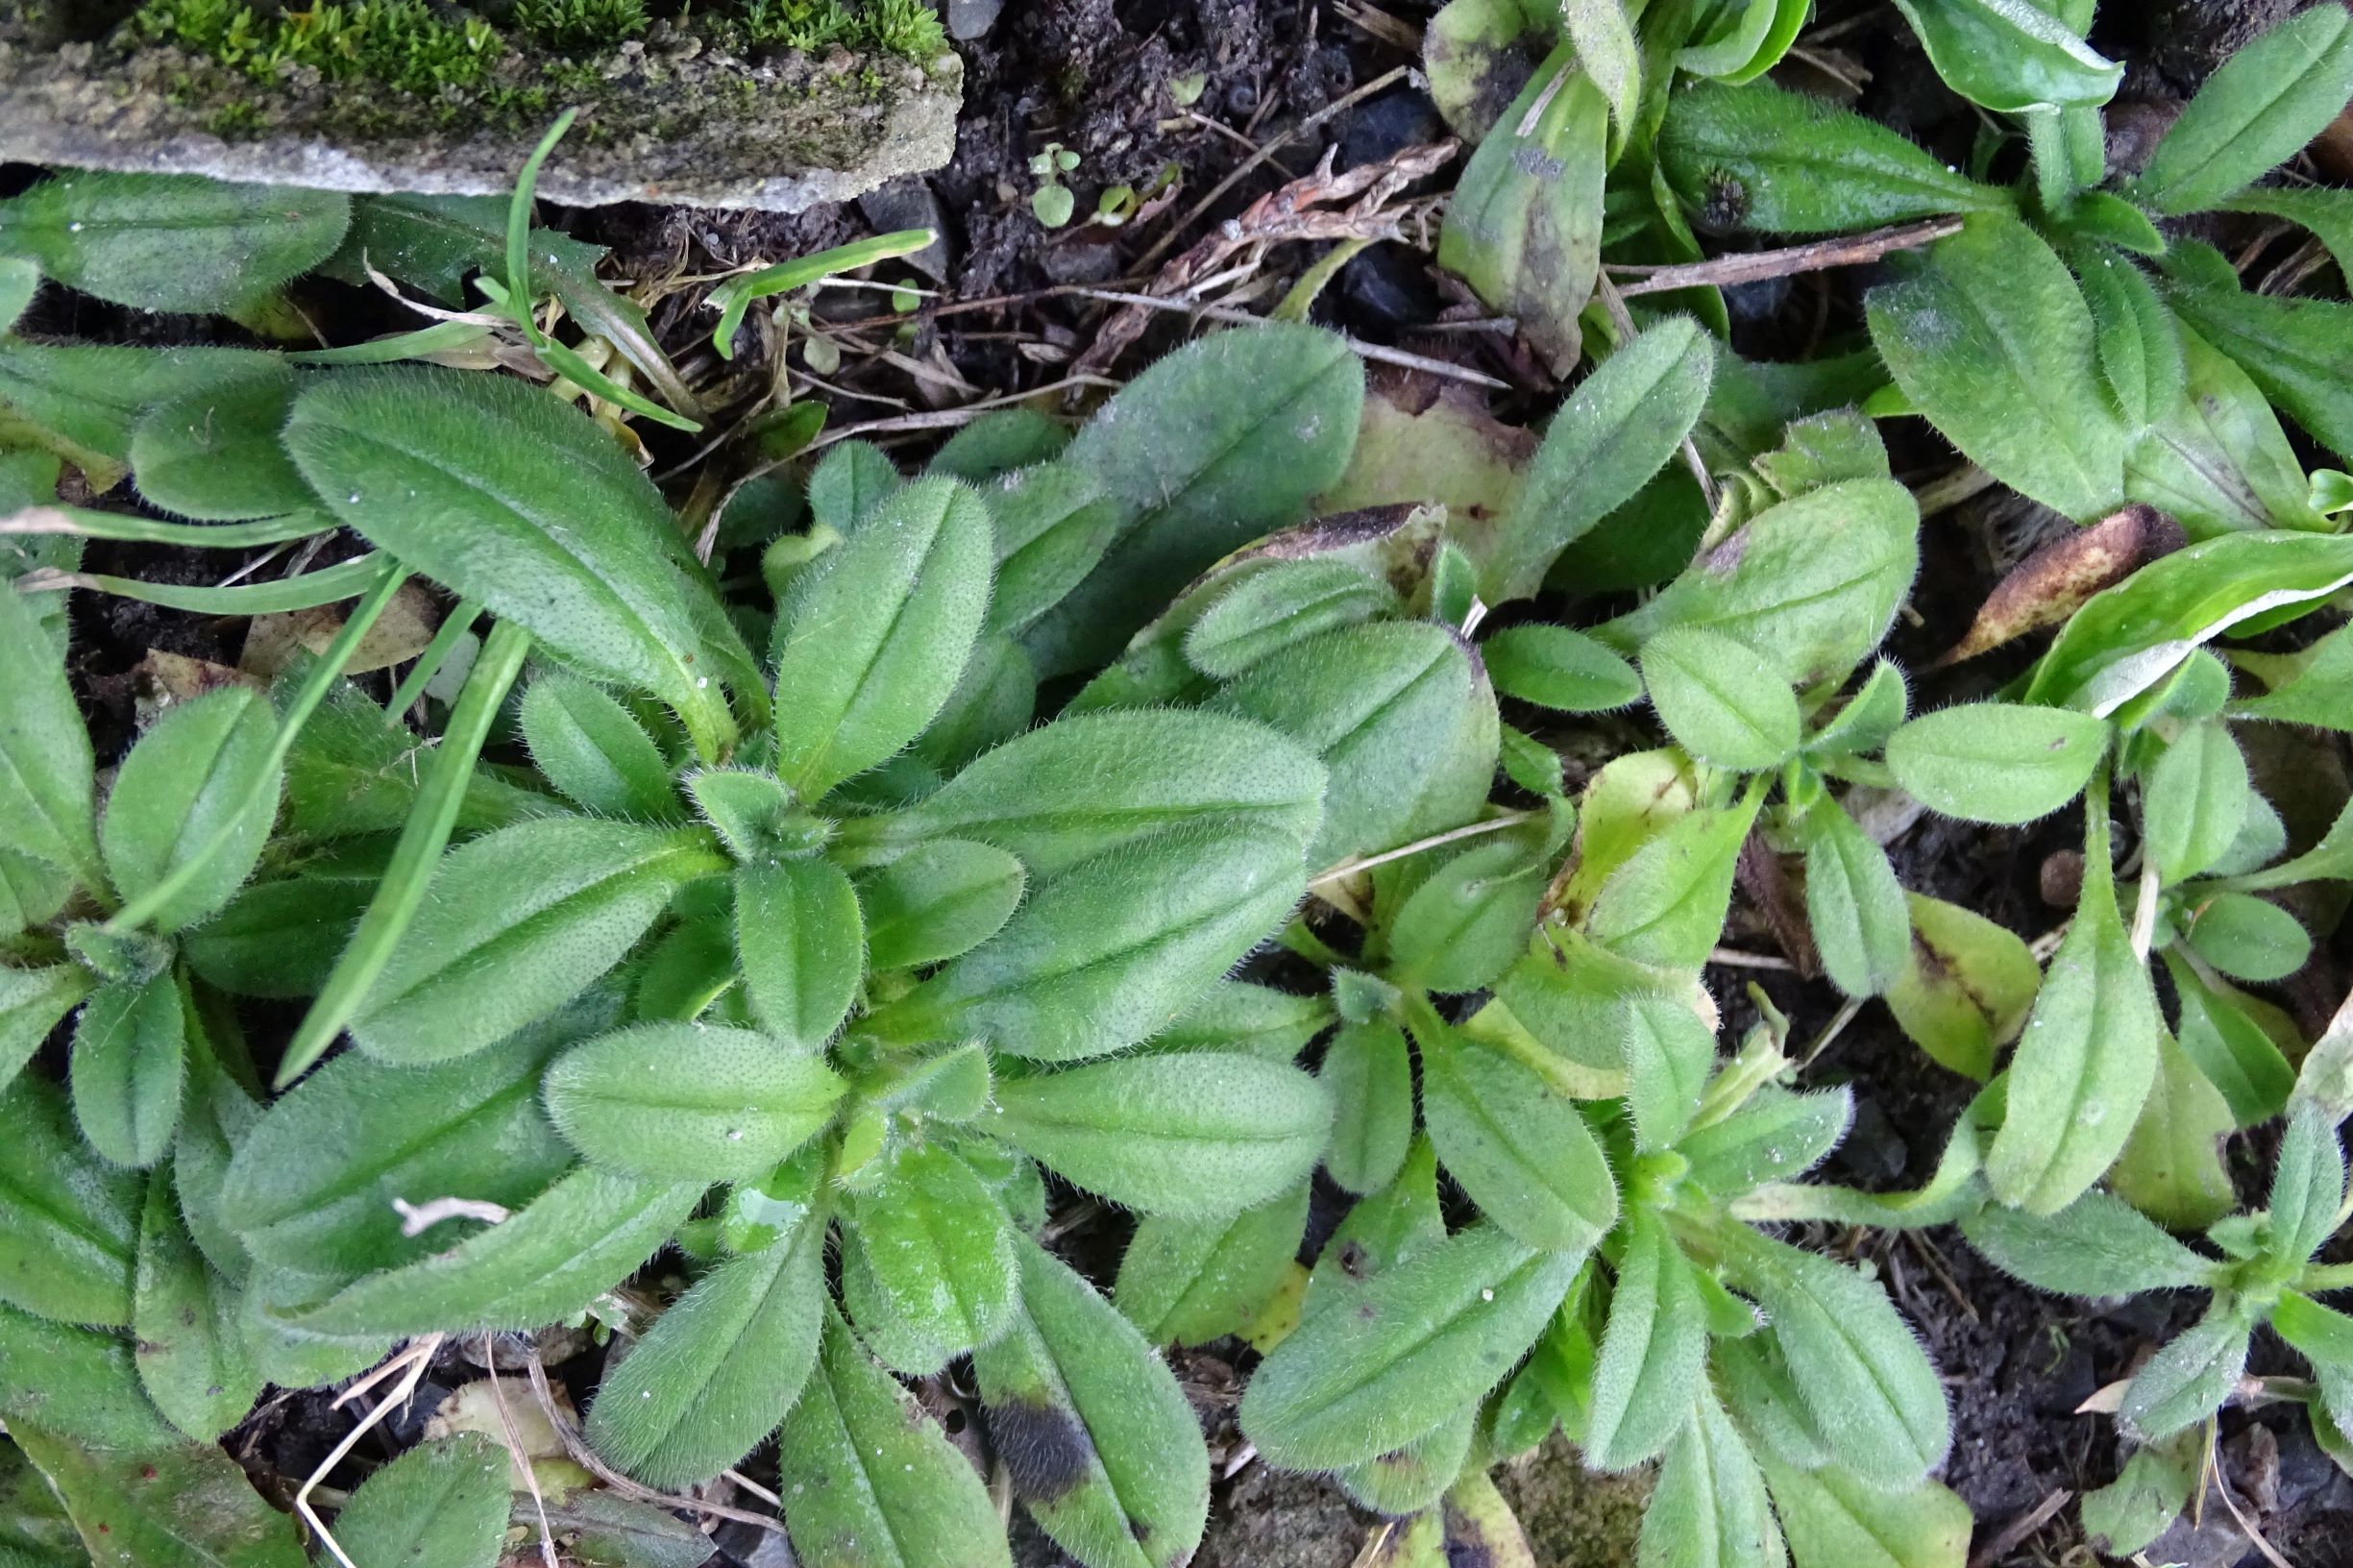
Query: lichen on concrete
[(680, 114)]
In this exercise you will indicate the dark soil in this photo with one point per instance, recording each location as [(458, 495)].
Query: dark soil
[(1100, 77)]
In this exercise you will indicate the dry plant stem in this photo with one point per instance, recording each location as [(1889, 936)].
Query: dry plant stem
[(1844, 1015), (1349, 868), (1734, 958), (2015, 1534), (1754, 266), (1962, 484), (585, 1457), (934, 419), (1370, 350), (2144, 912), (1613, 300), (1241, 171), (2270, 1552), (1290, 212), (1374, 1542), (410, 1363), (514, 1446)]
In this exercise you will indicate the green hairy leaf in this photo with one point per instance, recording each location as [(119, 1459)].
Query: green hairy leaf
[(1401, 718), (1187, 1135), (1778, 1136), (937, 1249), (2011, 55), (1832, 1521), (81, 400), (938, 902), (2258, 110), (720, 1368), (69, 1222), (521, 921), (205, 769), (192, 1354), (874, 633), (1861, 922), (681, 1101), (1101, 1446), (1810, 584), (526, 506), (1286, 603), (1425, 1337), (172, 242), (1106, 953), (573, 1243), (2188, 1380), (880, 1483), (1053, 523), (2171, 1169), (46, 811), (1669, 1052), (1708, 1509), (1792, 164), (2217, 460), (2195, 800), (1666, 905), (1997, 762), (2097, 1245), (2288, 347), (1988, 321), (130, 1064), (1080, 786), (1652, 1353), (1719, 699), (2307, 1188), (312, 1186), (2139, 342), (1190, 1281), (851, 481), (213, 454), (2133, 1510), (1519, 1149), (442, 1502), (1872, 1391), (1556, 668), (1616, 430), (78, 1383), (189, 1504), (1469, 921), (1370, 1076), (1223, 440), (587, 745), (31, 1001), (2086, 1058), (801, 940)]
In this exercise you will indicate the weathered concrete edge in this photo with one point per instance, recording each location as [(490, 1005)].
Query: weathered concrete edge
[(918, 135)]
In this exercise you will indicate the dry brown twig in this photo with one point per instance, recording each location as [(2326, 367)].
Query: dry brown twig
[(1754, 266), (408, 1364), (1307, 208)]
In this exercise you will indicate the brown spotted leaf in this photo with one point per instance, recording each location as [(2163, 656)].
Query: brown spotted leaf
[(2050, 584)]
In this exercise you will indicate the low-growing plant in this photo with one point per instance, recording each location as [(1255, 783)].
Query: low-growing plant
[(834, 888)]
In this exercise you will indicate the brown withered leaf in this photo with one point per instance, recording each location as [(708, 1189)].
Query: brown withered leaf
[(2053, 583), (1421, 440), (162, 680), (399, 634)]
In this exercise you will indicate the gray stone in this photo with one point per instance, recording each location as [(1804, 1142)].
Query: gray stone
[(699, 128), (969, 19), (910, 203)]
